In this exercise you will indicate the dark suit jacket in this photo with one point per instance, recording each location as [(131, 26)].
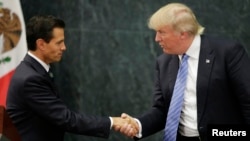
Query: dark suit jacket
[(34, 105), (223, 87)]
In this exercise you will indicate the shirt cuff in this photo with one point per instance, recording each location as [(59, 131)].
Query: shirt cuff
[(139, 134), (111, 121)]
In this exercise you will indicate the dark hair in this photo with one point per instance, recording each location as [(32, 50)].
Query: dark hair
[(41, 27)]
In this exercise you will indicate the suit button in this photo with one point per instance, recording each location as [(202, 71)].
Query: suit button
[(201, 128)]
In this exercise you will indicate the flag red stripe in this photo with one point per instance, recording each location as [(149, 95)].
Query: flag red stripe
[(4, 84)]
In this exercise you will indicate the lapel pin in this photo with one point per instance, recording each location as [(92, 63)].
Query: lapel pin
[(207, 61)]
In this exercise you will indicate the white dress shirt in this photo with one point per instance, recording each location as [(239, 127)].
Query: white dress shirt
[(188, 120)]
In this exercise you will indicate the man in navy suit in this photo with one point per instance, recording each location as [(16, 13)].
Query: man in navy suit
[(33, 102), (217, 91)]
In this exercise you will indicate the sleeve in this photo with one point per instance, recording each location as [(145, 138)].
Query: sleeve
[(154, 119), (239, 73), (40, 95)]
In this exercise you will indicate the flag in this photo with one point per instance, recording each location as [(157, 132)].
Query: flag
[(13, 45)]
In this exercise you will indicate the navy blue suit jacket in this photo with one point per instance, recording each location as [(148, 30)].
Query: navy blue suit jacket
[(223, 87), (34, 105)]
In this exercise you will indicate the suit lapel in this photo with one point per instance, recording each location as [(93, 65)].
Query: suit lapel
[(206, 60), (35, 65), (39, 69), (174, 63)]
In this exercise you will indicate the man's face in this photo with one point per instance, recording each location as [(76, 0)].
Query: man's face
[(168, 39), (54, 49)]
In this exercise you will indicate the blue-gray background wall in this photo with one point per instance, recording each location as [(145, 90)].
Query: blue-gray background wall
[(108, 66)]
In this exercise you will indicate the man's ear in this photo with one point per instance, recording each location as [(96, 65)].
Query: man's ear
[(40, 43)]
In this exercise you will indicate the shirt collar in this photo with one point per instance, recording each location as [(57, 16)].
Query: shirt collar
[(194, 49), (45, 66)]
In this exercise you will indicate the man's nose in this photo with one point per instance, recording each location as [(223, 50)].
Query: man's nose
[(157, 37)]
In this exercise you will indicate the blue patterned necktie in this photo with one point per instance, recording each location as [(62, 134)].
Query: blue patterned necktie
[(175, 107)]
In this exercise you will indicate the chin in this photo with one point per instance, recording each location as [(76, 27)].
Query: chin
[(165, 51)]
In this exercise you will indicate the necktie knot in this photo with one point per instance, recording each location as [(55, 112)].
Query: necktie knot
[(184, 57), (51, 75)]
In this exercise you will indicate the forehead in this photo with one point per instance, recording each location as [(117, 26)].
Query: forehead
[(57, 32)]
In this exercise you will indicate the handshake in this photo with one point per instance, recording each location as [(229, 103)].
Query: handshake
[(126, 125)]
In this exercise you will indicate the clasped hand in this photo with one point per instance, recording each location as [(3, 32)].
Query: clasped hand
[(126, 125)]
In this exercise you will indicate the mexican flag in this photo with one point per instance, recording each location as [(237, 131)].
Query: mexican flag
[(13, 46)]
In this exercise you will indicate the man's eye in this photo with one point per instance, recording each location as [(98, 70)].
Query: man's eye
[(58, 43), (161, 32)]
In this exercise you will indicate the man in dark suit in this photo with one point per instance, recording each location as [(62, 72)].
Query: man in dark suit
[(217, 90), (33, 102)]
